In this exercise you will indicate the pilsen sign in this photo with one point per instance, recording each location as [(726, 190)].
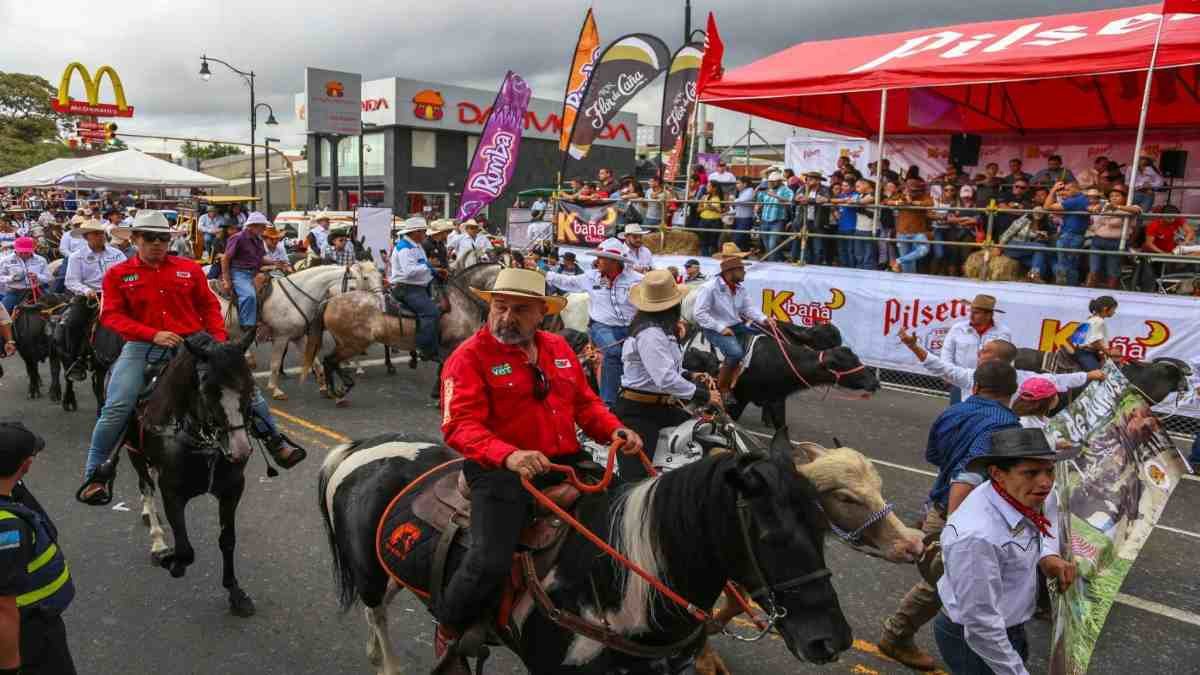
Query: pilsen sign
[(430, 105), (91, 106)]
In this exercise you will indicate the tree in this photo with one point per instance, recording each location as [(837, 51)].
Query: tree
[(30, 130), (210, 150)]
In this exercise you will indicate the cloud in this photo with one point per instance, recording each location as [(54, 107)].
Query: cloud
[(156, 45)]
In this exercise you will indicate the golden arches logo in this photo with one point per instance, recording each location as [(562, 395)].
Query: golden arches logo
[(91, 106)]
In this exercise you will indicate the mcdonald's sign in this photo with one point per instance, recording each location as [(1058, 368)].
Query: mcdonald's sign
[(92, 107)]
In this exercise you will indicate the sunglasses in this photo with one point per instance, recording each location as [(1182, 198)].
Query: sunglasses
[(541, 383), (152, 237)]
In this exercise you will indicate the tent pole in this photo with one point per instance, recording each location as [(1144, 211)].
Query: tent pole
[(687, 173), (1141, 132), (879, 160)]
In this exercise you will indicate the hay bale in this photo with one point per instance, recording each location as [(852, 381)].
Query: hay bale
[(999, 268), (670, 241)]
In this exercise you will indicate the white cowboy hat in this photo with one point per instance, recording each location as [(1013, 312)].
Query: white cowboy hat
[(634, 228), (150, 220), (92, 225), (119, 232), (78, 220), (523, 283), (657, 291), (412, 225), (256, 218), (611, 253), (319, 215), (471, 223), (774, 176)]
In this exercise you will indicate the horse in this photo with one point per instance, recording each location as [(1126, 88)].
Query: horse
[(292, 305), (205, 390), (31, 331), (1157, 378), (84, 346), (749, 517), (356, 320)]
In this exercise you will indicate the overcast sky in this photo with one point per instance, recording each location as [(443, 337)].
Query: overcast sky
[(155, 45)]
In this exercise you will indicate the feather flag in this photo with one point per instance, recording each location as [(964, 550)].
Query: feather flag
[(495, 157), (586, 51)]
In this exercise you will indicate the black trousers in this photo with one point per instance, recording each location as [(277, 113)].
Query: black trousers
[(647, 419), (44, 649), (500, 509)]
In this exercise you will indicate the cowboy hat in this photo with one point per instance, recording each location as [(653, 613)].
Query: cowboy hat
[(77, 220), (1019, 444), (774, 177), (319, 216), (339, 232), (471, 223), (256, 218), (412, 225), (611, 253), (150, 220), (814, 174), (272, 232), (657, 291), (986, 303), (119, 232), (730, 250), (732, 263), (523, 283), (634, 228), (88, 226), (440, 225)]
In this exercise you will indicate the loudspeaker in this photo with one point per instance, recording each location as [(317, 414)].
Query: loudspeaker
[(1173, 163), (964, 149)]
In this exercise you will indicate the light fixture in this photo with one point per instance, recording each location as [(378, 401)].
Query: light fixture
[(205, 73), (271, 117)]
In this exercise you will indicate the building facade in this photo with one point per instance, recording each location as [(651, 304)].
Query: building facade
[(418, 141)]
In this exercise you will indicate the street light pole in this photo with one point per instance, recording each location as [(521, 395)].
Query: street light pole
[(267, 191), (248, 76), (362, 190)]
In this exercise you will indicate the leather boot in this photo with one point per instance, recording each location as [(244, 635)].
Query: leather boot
[(285, 453), (1093, 280), (446, 661), (725, 383), (906, 651)]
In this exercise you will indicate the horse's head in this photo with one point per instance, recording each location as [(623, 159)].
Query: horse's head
[(701, 361), (825, 336), (225, 387), (1160, 378), (784, 563), (847, 370), (365, 276), (852, 498)]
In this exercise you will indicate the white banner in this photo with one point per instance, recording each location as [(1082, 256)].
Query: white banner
[(332, 102), (375, 226), (870, 308), (815, 153)]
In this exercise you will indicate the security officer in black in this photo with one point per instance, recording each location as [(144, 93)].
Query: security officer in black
[(35, 582)]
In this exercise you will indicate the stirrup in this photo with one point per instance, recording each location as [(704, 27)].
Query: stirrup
[(105, 474)]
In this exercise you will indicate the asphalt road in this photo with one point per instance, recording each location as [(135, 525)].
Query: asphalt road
[(131, 617)]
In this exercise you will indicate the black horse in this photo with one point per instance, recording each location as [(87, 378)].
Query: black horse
[(84, 346), (1157, 378), (32, 327), (749, 518), (188, 439)]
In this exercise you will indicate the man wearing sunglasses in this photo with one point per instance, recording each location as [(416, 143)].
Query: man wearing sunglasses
[(512, 396), (154, 301)]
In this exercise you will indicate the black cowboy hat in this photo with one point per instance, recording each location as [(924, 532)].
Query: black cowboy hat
[(1020, 444)]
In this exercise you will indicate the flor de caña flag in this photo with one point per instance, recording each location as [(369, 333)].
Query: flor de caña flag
[(625, 67), (496, 155), (586, 51), (679, 99)]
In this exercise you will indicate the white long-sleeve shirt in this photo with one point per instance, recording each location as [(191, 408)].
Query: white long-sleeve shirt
[(991, 553), (277, 254), (962, 344), (465, 244), (964, 378), (608, 303), (68, 244), (86, 268), (641, 259), (718, 308), (15, 270), (653, 363), (410, 266)]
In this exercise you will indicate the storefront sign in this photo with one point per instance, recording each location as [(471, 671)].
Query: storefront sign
[(333, 102), (92, 106)]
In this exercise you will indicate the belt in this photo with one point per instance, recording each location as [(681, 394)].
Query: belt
[(646, 397)]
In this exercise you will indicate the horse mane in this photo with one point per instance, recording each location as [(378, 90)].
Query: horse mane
[(175, 392)]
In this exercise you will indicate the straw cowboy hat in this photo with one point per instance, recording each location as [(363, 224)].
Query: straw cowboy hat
[(634, 228), (413, 225), (657, 291), (88, 226), (78, 220), (471, 223), (775, 177), (732, 263), (986, 303), (319, 216), (522, 283), (119, 232), (730, 250), (440, 225), (1019, 444), (150, 220), (272, 232)]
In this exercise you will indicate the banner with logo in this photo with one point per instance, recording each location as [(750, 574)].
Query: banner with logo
[(582, 64), (679, 100), (1116, 491), (584, 224), (626, 67), (332, 102), (496, 155), (821, 153)]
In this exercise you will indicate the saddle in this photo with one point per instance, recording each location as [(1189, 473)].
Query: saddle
[(262, 289)]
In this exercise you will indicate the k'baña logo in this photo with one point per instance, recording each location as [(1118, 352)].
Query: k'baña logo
[(782, 306)]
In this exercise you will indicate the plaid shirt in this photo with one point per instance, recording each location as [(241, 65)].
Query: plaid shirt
[(962, 432), (346, 256)]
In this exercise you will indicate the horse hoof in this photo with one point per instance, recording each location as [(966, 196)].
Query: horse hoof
[(177, 570), (240, 604), (160, 558), (341, 403)]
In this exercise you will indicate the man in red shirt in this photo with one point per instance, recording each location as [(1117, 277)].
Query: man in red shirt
[(154, 301), (511, 397)]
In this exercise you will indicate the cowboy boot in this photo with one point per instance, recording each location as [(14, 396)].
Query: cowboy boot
[(446, 660), (285, 453), (1093, 280), (906, 651), (725, 383)]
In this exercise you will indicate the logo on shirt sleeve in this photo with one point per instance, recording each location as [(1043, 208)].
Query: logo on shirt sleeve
[(562, 363), (183, 275), (130, 277), (10, 539)]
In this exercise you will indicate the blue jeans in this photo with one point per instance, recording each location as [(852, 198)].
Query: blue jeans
[(1109, 265), (773, 237), (1068, 263), (742, 227), (845, 250), (59, 283), (247, 300), (729, 345), (126, 378), (814, 253), (957, 654), (866, 252), (1035, 260), (911, 252), (609, 340), (1144, 200), (941, 252), (428, 315)]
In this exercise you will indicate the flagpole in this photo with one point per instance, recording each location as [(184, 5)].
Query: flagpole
[(879, 160), (1141, 133)]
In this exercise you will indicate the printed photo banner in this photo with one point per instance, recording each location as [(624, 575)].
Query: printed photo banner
[(587, 49), (496, 155), (679, 100), (584, 225), (625, 68)]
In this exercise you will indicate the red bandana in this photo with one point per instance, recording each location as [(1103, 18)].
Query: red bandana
[(1039, 520)]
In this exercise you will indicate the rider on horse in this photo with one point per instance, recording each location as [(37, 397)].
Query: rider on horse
[(411, 278), (22, 272), (85, 272), (512, 396), (154, 301)]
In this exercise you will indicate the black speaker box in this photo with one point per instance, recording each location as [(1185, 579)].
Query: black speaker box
[(1173, 163), (964, 149)]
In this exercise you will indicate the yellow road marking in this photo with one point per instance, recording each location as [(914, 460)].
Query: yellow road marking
[(311, 426)]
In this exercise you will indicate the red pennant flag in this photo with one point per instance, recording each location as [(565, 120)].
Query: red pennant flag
[(1181, 7), (714, 52)]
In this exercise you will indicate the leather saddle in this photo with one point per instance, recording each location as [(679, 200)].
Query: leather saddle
[(397, 308), (262, 287)]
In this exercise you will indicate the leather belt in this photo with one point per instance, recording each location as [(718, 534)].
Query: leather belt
[(645, 397)]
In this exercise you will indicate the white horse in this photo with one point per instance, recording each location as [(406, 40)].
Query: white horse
[(292, 306)]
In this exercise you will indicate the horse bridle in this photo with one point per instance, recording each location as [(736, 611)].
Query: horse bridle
[(837, 374)]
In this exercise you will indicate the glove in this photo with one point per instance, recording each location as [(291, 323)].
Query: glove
[(701, 397)]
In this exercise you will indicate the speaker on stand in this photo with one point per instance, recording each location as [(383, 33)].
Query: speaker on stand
[(964, 149), (1173, 164)]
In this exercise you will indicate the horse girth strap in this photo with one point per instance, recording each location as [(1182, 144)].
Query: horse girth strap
[(576, 624), (437, 577)]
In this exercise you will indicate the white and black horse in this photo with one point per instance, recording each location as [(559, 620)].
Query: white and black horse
[(31, 331), (752, 519), (84, 346), (189, 439)]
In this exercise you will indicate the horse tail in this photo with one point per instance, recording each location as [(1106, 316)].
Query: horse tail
[(343, 574), (312, 340)]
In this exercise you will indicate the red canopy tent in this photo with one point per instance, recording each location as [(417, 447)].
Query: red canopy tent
[(1080, 71)]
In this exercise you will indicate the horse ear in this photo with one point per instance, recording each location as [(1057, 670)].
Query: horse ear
[(743, 478), (808, 452)]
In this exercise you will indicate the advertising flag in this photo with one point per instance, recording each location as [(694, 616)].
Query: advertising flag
[(711, 69), (626, 67), (679, 99), (495, 157), (586, 51)]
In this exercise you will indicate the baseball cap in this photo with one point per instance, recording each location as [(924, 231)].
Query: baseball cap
[(1037, 389), (16, 444)]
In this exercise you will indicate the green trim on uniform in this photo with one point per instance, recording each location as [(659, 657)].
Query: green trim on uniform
[(40, 561), (47, 590)]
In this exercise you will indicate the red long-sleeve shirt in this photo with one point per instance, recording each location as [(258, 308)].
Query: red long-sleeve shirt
[(140, 300), (489, 410)]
